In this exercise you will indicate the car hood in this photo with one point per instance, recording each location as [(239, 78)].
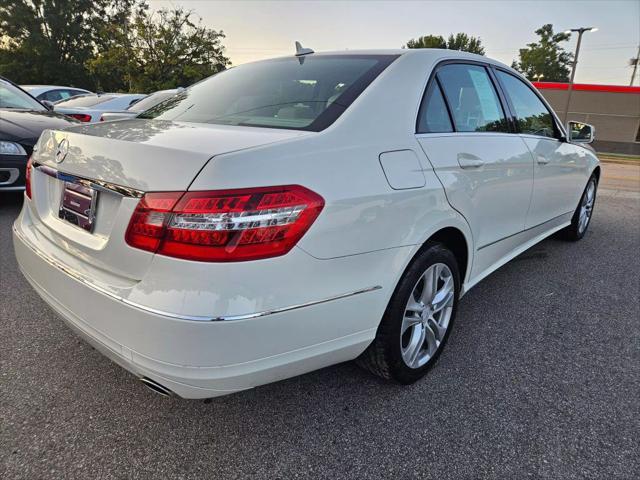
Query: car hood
[(26, 125), (150, 155)]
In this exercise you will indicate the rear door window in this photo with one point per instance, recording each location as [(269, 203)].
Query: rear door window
[(472, 98)]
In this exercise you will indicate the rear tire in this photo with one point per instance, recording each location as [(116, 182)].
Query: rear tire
[(584, 211), (418, 319)]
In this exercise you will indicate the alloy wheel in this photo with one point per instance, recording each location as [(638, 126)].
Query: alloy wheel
[(586, 207), (427, 314)]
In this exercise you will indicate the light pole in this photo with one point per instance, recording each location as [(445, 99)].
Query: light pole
[(580, 31), (539, 77), (634, 63)]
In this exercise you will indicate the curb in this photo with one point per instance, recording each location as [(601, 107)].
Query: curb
[(619, 161)]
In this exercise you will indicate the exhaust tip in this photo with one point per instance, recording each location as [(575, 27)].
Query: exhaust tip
[(156, 387)]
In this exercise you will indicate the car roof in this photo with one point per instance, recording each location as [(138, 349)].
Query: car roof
[(427, 53), (53, 87)]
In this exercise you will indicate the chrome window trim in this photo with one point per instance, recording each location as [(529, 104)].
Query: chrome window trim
[(95, 184), (194, 318)]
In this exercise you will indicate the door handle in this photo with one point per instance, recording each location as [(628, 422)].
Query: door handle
[(466, 160), (542, 160)]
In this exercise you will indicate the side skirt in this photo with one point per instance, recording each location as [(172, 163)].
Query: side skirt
[(494, 255)]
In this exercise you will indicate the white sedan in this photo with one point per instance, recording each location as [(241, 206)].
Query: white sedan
[(89, 108), (294, 213)]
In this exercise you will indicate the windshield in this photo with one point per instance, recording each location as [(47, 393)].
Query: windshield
[(12, 97), (305, 93), (84, 101), (151, 101)]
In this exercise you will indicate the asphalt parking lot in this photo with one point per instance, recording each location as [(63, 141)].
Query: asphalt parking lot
[(540, 379)]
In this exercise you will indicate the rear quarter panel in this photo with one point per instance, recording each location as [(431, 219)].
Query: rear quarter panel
[(362, 212)]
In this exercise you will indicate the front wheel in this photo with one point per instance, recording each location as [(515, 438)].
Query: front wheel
[(418, 319), (582, 216)]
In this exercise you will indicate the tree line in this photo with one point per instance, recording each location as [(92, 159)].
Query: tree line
[(121, 46), (106, 45), (545, 59)]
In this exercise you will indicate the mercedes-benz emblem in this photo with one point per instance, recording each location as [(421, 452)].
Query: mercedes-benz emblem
[(62, 150)]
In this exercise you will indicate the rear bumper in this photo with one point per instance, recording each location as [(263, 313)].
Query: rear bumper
[(206, 382), (163, 348)]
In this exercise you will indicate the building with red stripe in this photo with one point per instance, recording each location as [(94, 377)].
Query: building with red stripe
[(614, 110)]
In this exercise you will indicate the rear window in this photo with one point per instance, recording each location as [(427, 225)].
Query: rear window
[(299, 93), (85, 101), (151, 101)]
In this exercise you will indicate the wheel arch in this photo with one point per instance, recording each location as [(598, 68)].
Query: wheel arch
[(454, 240)]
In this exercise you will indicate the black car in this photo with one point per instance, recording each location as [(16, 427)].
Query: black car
[(22, 120)]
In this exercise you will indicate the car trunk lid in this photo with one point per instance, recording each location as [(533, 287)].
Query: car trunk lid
[(107, 168)]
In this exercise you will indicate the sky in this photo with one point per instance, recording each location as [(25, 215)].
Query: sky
[(257, 30)]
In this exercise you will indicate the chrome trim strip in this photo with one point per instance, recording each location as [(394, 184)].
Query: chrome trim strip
[(523, 231), (95, 184), (296, 307), (195, 318), (14, 173)]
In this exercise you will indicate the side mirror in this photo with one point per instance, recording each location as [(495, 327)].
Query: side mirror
[(48, 105), (580, 132)]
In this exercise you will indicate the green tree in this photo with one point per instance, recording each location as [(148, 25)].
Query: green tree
[(108, 45), (465, 43), (171, 49), (157, 51), (113, 60), (459, 41), (427, 41), (50, 41), (546, 57)]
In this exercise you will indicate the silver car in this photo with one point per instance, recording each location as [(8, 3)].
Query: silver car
[(145, 104)]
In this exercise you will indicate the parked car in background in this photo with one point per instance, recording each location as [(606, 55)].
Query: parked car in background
[(141, 105), (22, 120), (290, 214), (89, 108), (53, 93)]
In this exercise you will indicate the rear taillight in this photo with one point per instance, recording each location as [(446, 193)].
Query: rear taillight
[(27, 179), (83, 117), (225, 225)]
